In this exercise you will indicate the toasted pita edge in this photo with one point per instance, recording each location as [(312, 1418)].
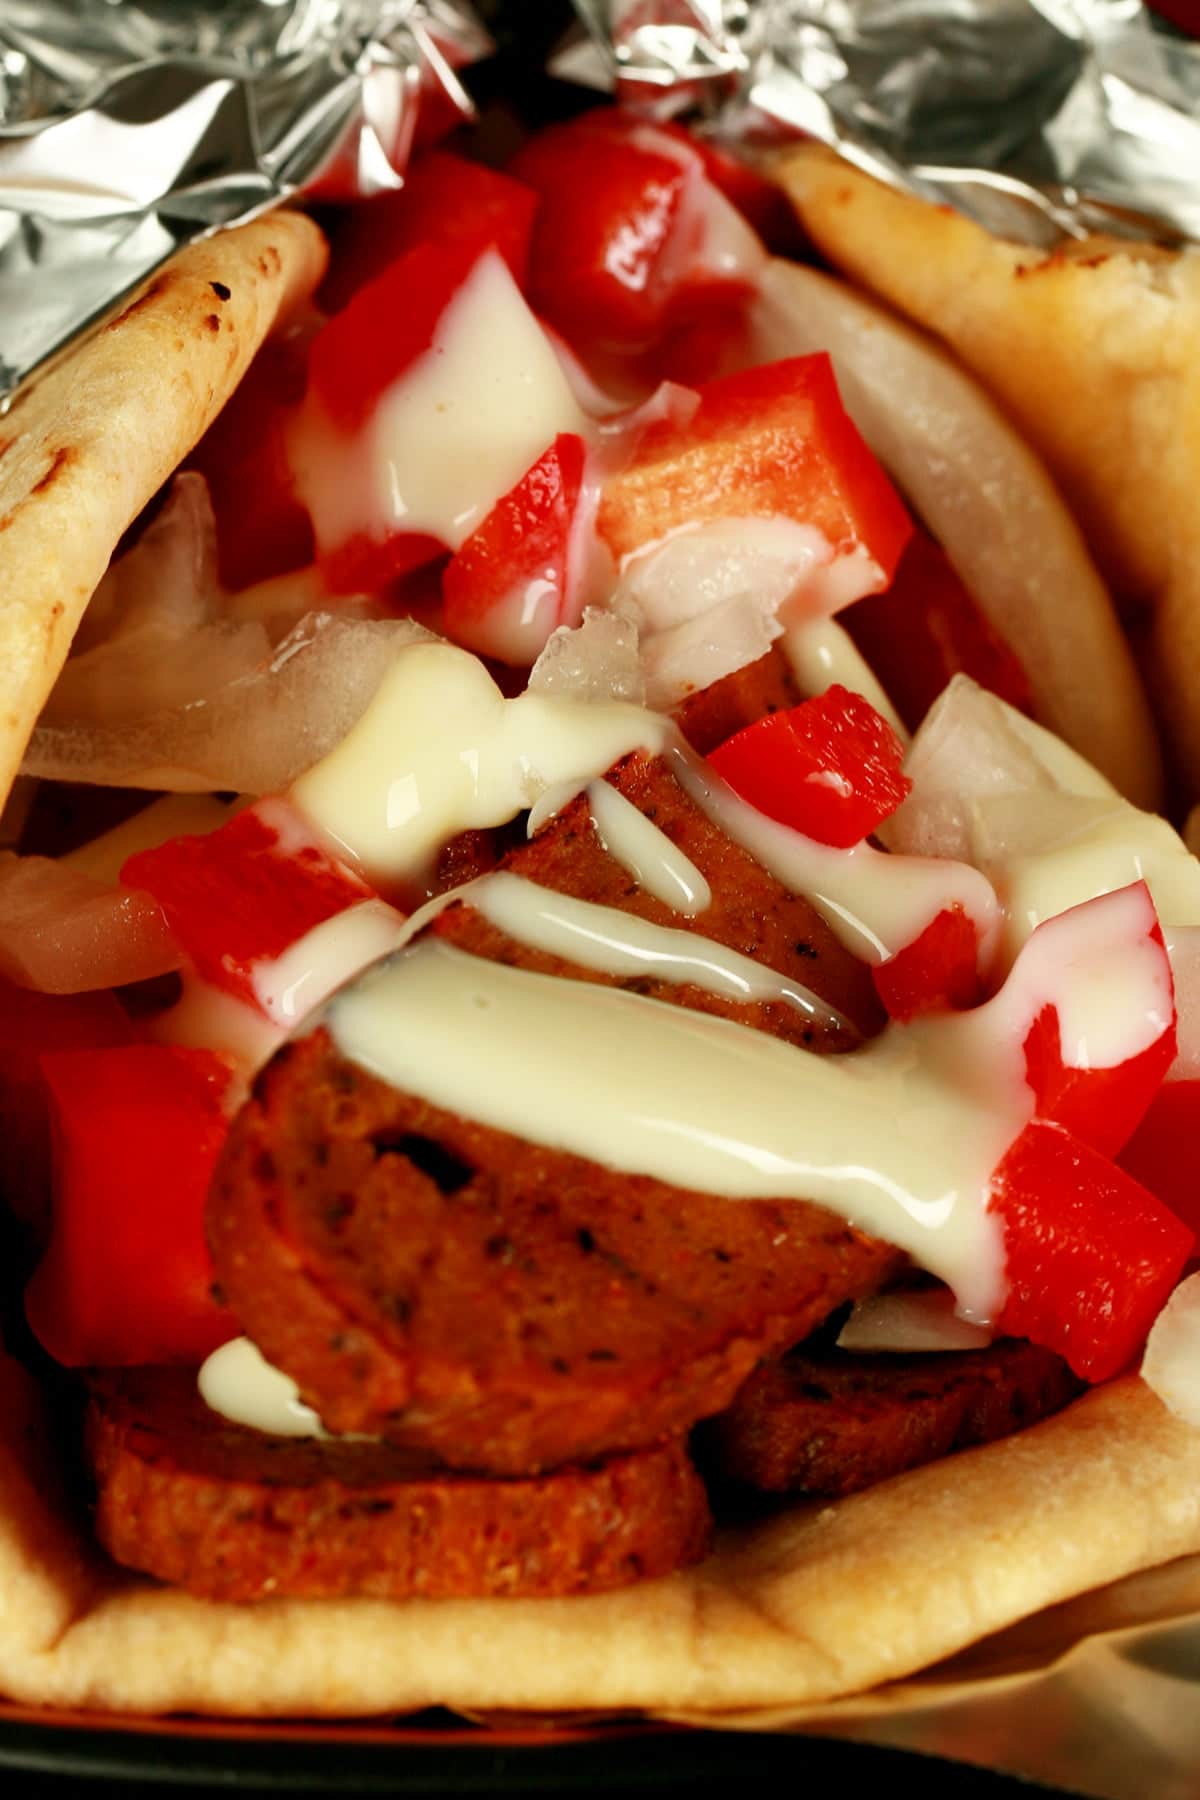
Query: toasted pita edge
[(820, 1602), (86, 445), (1094, 351)]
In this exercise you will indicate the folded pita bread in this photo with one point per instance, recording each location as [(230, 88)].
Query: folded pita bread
[(84, 447), (822, 1601), (1093, 349)]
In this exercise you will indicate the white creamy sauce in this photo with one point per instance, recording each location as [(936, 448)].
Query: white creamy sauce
[(1106, 852), (900, 1137), (452, 434), (910, 1320), (601, 937), (656, 864), (440, 750), (206, 1018), (288, 986), (239, 1383), (1035, 817), (820, 653)]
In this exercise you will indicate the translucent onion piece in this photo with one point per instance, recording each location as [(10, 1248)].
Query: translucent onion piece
[(916, 1319), (1171, 1365), (990, 503), (65, 933), (691, 656), (168, 580), (596, 660), (709, 601), (143, 673), (254, 736), (973, 750)]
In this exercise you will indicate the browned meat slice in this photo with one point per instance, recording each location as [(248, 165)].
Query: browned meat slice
[(232, 1514), (751, 912), (832, 1422), (507, 1306), (713, 714)]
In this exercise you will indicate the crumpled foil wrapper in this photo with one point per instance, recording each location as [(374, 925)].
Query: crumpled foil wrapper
[(129, 128), (1039, 118)]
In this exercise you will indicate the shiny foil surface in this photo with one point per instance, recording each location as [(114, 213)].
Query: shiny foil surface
[(1040, 118), (130, 128)]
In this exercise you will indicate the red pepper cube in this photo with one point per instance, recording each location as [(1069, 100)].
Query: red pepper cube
[(127, 1276), (937, 972), (1102, 1107), (31, 1023), (768, 443), (609, 208), (508, 587), (263, 527), (445, 200), (1091, 1255), (926, 628), (830, 767), (1163, 1154), (242, 895)]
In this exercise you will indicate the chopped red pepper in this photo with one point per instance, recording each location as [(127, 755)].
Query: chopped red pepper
[(507, 588), (769, 443), (263, 528), (363, 564), (609, 209), (830, 767), (1101, 1107), (927, 628), (241, 895), (31, 1023), (1091, 1255), (445, 200), (127, 1276), (1161, 1153), (937, 972)]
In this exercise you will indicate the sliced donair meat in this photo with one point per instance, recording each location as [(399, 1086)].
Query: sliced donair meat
[(508, 1306), (232, 1514), (833, 1421)]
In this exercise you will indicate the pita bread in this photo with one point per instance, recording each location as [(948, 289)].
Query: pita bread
[(86, 445), (822, 1601), (1093, 349)]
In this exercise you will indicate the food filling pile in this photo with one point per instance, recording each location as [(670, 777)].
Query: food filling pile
[(601, 991)]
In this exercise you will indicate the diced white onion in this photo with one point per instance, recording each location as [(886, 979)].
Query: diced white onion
[(973, 750), (253, 736), (1171, 1365), (596, 660), (63, 932)]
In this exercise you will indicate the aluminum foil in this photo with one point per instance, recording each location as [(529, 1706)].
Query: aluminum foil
[(1040, 118), (129, 128)]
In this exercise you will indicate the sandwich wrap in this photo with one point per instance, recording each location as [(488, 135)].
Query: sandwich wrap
[(824, 1600)]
